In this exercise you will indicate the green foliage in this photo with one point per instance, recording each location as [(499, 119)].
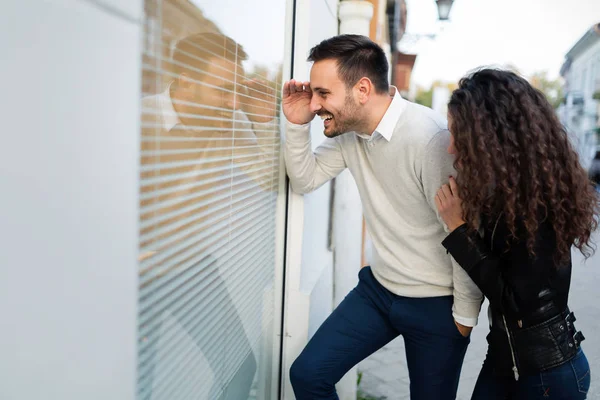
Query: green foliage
[(424, 97), (552, 88)]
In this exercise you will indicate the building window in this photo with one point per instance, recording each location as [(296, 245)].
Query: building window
[(209, 180)]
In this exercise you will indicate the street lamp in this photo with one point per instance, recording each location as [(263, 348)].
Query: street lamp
[(444, 7)]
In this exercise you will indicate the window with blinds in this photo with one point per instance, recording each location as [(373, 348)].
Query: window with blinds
[(209, 180)]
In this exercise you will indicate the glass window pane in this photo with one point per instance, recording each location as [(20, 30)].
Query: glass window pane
[(209, 169)]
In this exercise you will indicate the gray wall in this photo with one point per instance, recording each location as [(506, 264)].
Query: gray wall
[(68, 211)]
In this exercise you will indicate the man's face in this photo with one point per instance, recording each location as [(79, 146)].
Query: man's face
[(215, 94), (332, 100)]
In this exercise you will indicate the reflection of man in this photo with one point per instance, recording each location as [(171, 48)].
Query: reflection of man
[(210, 139), (211, 85), (210, 99)]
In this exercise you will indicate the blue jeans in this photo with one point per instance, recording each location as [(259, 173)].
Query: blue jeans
[(367, 319), (569, 381)]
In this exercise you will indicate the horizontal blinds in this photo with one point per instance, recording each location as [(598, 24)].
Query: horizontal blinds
[(209, 172)]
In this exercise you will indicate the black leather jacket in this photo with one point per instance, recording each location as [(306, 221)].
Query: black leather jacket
[(531, 327)]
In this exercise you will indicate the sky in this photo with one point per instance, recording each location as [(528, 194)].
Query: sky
[(532, 35)]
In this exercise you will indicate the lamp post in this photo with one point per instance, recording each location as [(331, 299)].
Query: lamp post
[(393, 14), (444, 7)]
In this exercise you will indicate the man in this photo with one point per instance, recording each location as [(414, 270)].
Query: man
[(209, 148), (396, 151)]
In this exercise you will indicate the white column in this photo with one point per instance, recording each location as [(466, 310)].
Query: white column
[(355, 18)]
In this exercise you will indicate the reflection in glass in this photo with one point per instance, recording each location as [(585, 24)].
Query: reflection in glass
[(209, 181)]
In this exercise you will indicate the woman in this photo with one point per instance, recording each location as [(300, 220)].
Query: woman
[(519, 202)]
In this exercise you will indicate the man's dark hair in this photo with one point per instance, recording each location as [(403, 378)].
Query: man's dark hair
[(194, 53), (357, 56)]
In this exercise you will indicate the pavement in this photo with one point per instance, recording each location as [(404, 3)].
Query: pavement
[(385, 376)]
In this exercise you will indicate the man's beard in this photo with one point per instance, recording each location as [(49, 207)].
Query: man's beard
[(347, 120)]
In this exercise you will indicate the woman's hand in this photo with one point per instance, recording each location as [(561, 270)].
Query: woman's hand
[(449, 205)]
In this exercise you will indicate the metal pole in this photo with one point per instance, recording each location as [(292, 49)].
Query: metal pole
[(393, 14)]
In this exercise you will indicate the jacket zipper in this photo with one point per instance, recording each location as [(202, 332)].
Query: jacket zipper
[(512, 351)]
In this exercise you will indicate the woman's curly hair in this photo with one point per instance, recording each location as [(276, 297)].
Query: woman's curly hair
[(514, 156)]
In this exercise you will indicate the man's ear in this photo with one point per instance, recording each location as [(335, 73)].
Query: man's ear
[(364, 88)]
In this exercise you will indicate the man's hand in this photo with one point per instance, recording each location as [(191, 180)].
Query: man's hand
[(449, 205), (464, 330), (259, 101), (296, 102)]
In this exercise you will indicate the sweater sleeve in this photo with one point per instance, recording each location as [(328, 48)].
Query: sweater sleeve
[(309, 170), (436, 168)]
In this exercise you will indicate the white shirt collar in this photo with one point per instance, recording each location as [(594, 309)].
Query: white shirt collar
[(169, 115), (392, 115)]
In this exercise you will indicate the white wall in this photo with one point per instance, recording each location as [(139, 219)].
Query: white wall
[(317, 278), (440, 98), (68, 210), (309, 262)]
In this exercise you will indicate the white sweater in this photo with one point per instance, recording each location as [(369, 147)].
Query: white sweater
[(398, 170)]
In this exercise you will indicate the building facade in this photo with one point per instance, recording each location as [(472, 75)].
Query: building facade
[(579, 111)]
